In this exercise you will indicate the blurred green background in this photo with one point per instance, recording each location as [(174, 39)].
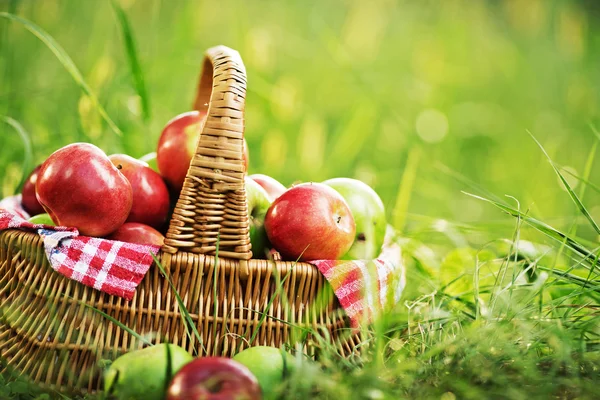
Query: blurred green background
[(405, 95)]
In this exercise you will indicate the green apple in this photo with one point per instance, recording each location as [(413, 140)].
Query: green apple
[(42, 219), (144, 374), (270, 365), (258, 205), (369, 216)]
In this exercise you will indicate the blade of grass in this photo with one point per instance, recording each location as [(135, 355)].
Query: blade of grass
[(27, 150), (406, 188), (67, 63), (544, 228), (582, 180), (132, 56), (185, 315), (215, 293), (572, 194)]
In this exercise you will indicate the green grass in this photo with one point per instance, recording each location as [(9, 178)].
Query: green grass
[(425, 101)]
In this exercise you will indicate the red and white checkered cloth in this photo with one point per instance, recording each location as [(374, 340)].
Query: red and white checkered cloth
[(364, 288), (111, 266)]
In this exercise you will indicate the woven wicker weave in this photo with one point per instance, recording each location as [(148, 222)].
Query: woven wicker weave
[(49, 333)]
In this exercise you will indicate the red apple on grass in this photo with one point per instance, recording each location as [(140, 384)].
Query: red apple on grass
[(310, 221), (29, 199), (214, 378), (150, 194), (79, 187), (134, 232), (273, 187)]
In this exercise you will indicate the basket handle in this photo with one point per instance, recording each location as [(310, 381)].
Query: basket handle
[(212, 203)]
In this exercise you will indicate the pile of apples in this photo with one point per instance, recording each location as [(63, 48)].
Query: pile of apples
[(122, 198), (169, 372)]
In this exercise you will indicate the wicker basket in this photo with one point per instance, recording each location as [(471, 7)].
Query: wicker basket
[(49, 334)]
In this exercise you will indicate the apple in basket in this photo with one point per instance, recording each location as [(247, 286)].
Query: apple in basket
[(79, 187), (214, 378), (177, 145), (150, 194), (310, 221), (273, 187), (258, 205), (29, 199), (134, 232), (369, 216)]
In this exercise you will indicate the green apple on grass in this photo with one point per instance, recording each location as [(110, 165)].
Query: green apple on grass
[(270, 365), (144, 374), (258, 204), (369, 216)]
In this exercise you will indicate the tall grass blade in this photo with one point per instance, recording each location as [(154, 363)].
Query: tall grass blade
[(583, 180), (546, 229), (185, 315), (132, 56), (406, 188), (572, 194), (67, 63), (27, 150)]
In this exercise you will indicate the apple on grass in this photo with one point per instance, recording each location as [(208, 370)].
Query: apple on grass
[(144, 374), (177, 145), (273, 187), (310, 221), (134, 232), (80, 187), (215, 378), (270, 365), (258, 205), (369, 215), (150, 194), (29, 199)]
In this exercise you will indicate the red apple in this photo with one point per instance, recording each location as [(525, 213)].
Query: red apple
[(13, 205), (177, 145), (150, 194), (29, 200), (79, 187), (134, 232), (310, 221), (214, 378), (271, 185)]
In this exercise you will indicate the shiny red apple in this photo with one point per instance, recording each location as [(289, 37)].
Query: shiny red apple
[(214, 378), (134, 232), (150, 194), (29, 200), (79, 187), (177, 145), (310, 221), (273, 187)]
